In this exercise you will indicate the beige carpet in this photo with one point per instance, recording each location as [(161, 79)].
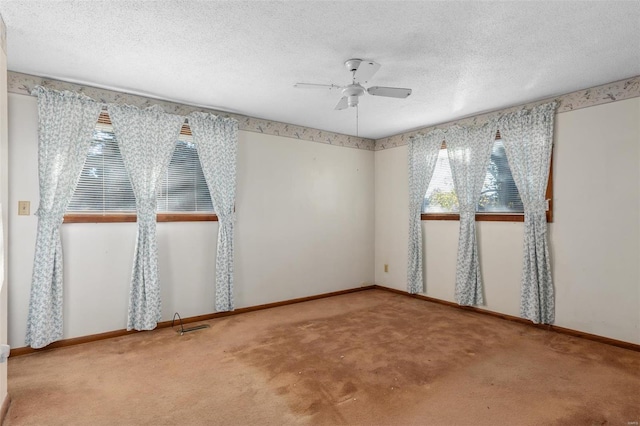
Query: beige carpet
[(370, 358)]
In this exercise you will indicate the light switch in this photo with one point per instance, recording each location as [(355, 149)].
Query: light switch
[(24, 208)]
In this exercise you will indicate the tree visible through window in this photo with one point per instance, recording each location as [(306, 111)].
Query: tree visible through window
[(499, 192)]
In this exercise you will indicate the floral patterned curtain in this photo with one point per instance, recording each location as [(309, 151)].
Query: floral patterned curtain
[(528, 140), (469, 150), (423, 154), (66, 122), (147, 138), (216, 139)]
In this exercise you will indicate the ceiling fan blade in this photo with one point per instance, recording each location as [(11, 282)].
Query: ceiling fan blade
[(366, 70), (342, 103), (390, 92), (316, 86)]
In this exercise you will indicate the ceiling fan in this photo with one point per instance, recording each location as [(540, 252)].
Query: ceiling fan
[(362, 70)]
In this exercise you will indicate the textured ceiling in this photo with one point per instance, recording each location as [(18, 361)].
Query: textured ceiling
[(460, 58)]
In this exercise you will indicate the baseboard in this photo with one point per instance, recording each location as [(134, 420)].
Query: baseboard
[(117, 333), (164, 324), (557, 329), (5, 408)]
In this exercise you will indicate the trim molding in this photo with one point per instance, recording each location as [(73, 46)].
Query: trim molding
[(132, 217), (557, 329), (606, 93), (5, 408), (3, 37), (165, 324), (22, 84)]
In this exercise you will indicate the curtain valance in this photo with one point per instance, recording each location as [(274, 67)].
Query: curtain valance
[(38, 90)]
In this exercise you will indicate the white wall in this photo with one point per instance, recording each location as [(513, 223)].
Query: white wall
[(597, 249), (305, 226), (305, 218), (595, 237)]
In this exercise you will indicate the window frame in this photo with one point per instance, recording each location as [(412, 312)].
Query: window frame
[(499, 217), (123, 217), (132, 217)]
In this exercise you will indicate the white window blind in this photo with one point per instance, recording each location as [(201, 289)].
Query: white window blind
[(184, 188), (104, 185), (499, 192)]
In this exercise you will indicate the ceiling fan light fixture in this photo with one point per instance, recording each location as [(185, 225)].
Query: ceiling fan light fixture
[(352, 92)]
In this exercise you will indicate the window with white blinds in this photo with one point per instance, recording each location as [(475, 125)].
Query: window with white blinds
[(104, 185), (184, 188), (499, 192)]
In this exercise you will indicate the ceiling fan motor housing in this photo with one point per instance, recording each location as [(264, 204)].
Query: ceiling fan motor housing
[(352, 92)]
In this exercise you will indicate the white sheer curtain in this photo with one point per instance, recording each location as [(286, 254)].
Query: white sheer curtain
[(147, 138), (469, 150), (423, 153), (66, 124), (216, 139), (528, 140)]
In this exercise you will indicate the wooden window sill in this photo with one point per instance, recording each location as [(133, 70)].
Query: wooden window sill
[(482, 217), (131, 217)]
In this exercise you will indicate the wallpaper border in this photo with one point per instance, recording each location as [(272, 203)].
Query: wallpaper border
[(606, 93), (23, 83)]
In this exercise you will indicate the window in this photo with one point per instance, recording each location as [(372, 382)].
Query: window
[(104, 192), (499, 198), (184, 188)]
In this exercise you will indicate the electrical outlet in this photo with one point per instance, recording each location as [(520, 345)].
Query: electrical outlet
[(386, 267), (24, 208)]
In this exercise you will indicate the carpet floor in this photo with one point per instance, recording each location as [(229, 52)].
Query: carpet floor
[(366, 358)]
